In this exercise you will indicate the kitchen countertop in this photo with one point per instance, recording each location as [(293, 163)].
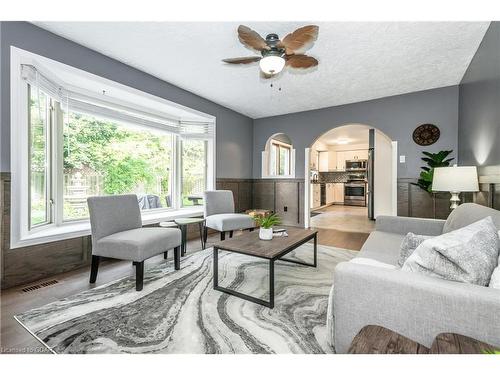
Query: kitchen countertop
[(338, 182)]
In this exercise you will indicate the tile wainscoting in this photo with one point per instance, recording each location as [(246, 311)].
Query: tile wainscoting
[(284, 196)]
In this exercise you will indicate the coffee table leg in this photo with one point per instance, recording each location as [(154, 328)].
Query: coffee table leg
[(216, 267), (235, 293), (271, 284)]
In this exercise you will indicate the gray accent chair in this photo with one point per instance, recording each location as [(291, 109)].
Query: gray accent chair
[(117, 233), (219, 214), (416, 306)]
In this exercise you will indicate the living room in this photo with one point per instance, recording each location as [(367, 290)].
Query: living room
[(149, 204)]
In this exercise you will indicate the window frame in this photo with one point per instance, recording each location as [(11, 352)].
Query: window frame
[(279, 145), (22, 234)]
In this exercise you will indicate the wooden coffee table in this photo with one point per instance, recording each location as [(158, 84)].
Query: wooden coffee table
[(250, 244)]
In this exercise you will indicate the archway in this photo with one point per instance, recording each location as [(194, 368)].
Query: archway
[(351, 165)]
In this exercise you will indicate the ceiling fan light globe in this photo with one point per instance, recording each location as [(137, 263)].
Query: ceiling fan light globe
[(272, 64)]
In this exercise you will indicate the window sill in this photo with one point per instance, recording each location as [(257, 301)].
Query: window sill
[(76, 230)]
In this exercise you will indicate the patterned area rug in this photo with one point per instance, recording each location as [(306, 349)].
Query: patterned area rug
[(179, 312)]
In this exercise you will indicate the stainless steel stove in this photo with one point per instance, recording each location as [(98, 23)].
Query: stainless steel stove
[(355, 190)]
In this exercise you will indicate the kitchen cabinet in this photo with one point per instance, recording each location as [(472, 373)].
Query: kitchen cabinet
[(323, 161), (314, 160), (315, 195), (342, 156), (338, 193), (356, 154), (340, 162), (330, 193), (332, 160)]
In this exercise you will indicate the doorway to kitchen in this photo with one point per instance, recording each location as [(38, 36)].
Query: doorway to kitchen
[(350, 179)]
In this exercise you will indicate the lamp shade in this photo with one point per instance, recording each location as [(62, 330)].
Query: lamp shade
[(455, 179)]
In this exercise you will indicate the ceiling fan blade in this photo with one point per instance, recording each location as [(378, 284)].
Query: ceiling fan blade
[(251, 39), (299, 40), (242, 60), (301, 61)]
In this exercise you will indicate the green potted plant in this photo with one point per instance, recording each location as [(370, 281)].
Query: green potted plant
[(433, 160), (266, 224)]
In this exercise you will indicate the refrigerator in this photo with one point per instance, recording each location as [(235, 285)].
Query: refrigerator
[(370, 172)]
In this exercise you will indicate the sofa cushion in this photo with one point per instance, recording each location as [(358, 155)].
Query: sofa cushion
[(382, 246), (138, 244), (469, 213), (372, 262), (408, 246), (468, 254), (227, 222)]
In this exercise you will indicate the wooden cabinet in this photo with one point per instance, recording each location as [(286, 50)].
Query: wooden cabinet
[(323, 161), (330, 193), (314, 160), (338, 193), (342, 156), (332, 160), (315, 195), (340, 160)]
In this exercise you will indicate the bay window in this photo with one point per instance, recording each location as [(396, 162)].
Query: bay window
[(79, 144)]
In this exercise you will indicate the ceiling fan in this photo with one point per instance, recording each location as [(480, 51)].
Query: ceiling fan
[(276, 53)]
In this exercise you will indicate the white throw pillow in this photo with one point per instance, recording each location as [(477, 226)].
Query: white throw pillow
[(468, 254), (495, 276)]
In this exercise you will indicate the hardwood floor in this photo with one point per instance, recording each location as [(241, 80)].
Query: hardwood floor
[(343, 218), (15, 339)]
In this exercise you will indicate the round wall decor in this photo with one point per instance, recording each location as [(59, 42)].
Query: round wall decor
[(426, 134)]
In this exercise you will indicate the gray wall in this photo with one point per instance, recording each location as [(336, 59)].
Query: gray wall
[(479, 114), (234, 151), (396, 116)]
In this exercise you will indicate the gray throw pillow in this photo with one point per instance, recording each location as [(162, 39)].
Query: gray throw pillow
[(409, 244), (495, 276), (468, 254)]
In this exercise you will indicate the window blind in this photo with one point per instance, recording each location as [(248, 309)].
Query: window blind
[(114, 109)]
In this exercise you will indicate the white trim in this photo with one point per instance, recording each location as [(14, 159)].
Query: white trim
[(307, 188), (82, 228), (394, 178), (266, 160)]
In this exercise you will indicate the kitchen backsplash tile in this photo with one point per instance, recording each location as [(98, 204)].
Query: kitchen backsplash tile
[(328, 177)]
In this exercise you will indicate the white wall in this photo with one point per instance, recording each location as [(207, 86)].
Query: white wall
[(383, 176)]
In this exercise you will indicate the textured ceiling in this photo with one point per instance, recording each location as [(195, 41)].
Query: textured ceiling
[(358, 60)]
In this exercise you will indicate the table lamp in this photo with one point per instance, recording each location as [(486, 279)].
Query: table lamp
[(455, 180)]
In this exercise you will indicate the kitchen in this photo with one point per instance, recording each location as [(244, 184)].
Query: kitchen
[(341, 166)]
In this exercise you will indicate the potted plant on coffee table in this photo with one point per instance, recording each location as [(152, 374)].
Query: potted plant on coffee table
[(266, 224)]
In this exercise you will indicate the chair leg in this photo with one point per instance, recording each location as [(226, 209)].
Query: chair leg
[(177, 258), (93, 268), (139, 275), (222, 236), (165, 255), (200, 226), (230, 234), (205, 236)]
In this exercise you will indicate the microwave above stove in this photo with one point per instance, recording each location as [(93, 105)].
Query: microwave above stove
[(356, 165)]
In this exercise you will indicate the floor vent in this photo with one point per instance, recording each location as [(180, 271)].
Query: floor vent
[(44, 284)]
